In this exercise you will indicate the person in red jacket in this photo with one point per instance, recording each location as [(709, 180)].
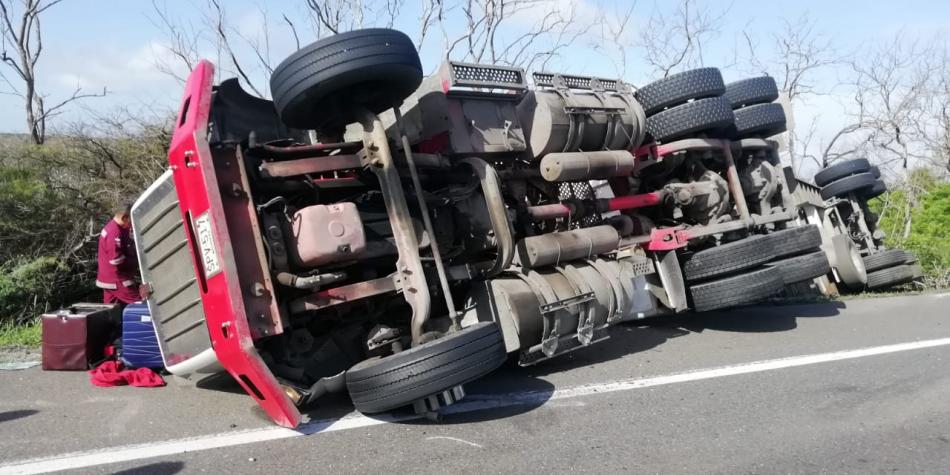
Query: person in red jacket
[(118, 262)]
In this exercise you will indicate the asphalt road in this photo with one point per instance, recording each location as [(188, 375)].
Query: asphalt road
[(857, 386)]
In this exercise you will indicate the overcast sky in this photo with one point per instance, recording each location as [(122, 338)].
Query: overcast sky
[(115, 43)]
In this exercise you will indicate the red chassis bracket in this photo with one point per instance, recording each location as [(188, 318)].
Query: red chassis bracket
[(203, 211), (667, 239)]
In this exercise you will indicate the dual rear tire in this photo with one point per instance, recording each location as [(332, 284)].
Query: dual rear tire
[(753, 269)]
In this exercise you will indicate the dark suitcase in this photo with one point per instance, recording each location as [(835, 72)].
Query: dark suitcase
[(75, 337), (139, 343)]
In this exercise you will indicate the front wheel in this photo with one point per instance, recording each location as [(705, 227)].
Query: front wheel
[(378, 385)]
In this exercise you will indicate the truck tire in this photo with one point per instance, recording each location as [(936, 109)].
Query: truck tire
[(848, 262), (848, 184), (741, 289), (875, 171), (748, 92), (909, 257), (729, 258), (712, 115), (891, 276), (840, 170), (680, 88), (877, 189), (802, 268), (327, 82), (884, 259), (760, 120), (792, 241), (917, 271), (378, 385)]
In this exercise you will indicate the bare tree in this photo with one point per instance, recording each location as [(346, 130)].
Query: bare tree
[(892, 84), (526, 33), (801, 53), (22, 32), (238, 53), (672, 42), (615, 29)]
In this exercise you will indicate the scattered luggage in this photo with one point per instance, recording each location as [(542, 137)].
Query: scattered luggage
[(139, 343), (76, 337)]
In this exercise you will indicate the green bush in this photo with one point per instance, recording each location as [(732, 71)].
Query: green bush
[(923, 203), (32, 286), (54, 200)]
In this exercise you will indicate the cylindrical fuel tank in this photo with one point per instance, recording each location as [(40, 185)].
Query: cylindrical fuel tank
[(606, 121), (554, 248), (515, 301), (582, 166)]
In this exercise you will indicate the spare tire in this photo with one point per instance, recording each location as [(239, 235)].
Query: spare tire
[(326, 83), (748, 92), (729, 258), (841, 170), (712, 116), (742, 289), (680, 88), (792, 241), (378, 385), (846, 185), (760, 120)]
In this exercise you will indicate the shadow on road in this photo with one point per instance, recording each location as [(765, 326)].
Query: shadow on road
[(158, 468), (766, 318), (18, 414)]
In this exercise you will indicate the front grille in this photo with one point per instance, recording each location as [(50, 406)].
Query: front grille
[(167, 265)]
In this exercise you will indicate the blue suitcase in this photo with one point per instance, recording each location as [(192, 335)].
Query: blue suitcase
[(139, 343)]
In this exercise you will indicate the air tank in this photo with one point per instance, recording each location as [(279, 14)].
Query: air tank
[(601, 121)]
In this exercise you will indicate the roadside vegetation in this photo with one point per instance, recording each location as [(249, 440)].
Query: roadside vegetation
[(916, 216), (59, 180)]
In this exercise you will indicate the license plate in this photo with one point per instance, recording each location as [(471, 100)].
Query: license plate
[(209, 253)]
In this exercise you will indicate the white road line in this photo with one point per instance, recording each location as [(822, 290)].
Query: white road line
[(475, 402)]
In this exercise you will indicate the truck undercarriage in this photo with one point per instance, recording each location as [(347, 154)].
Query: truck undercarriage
[(395, 237)]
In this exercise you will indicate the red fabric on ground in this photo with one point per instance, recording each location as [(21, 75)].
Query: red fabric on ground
[(112, 373)]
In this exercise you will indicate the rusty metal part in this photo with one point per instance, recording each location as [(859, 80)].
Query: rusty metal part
[(622, 223), (427, 222), (554, 248), (260, 305), (602, 205), (551, 211), (324, 234), (309, 166), (310, 281), (704, 200), (497, 214), (409, 265), (735, 187), (344, 294), (578, 166), (761, 181), (292, 151), (642, 200)]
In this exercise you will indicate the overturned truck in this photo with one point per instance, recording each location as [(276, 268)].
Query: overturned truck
[(372, 232)]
